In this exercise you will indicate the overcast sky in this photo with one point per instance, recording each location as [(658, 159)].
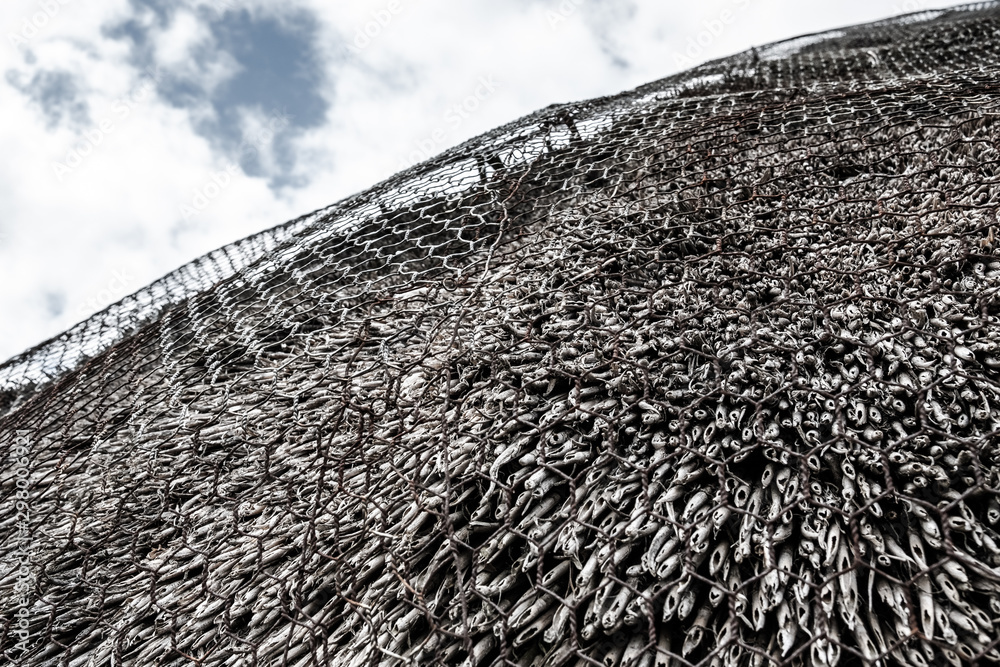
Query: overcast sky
[(140, 134)]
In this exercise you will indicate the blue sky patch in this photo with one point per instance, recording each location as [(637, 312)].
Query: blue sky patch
[(272, 95), (56, 93)]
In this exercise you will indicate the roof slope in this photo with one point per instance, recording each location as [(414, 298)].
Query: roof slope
[(703, 373)]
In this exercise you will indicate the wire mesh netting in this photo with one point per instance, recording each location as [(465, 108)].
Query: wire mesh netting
[(702, 374)]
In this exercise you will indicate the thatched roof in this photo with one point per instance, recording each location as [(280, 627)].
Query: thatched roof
[(704, 373)]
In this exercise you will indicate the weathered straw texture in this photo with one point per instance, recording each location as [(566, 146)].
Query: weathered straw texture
[(702, 374)]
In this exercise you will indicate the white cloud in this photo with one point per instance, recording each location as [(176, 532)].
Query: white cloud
[(175, 43)]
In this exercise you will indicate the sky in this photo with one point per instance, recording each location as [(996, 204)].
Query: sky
[(138, 135)]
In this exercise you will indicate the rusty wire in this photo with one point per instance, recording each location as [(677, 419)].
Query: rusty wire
[(702, 374)]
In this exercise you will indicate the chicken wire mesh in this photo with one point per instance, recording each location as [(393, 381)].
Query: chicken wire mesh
[(701, 374)]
